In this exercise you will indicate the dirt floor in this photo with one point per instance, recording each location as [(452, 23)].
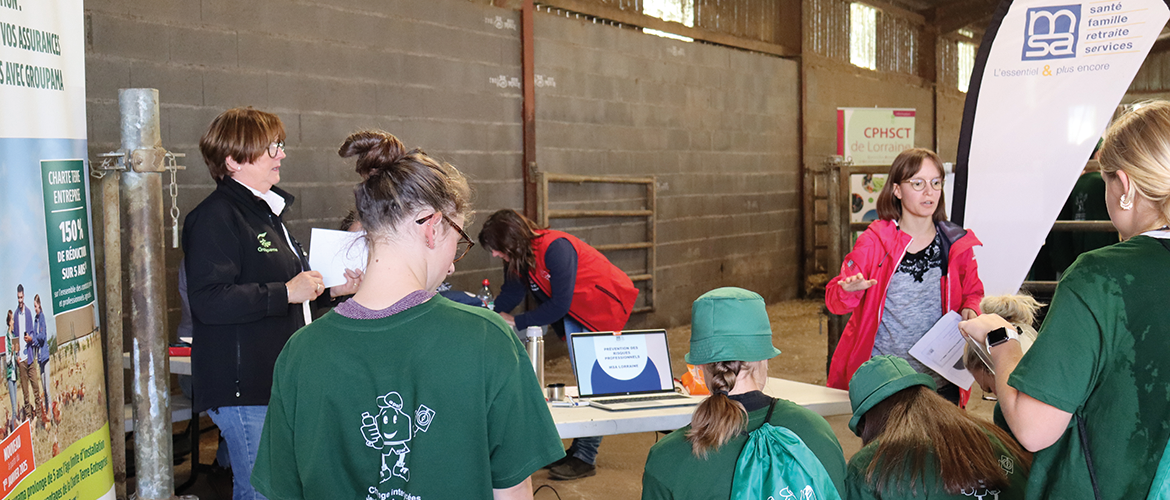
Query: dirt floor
[(798, 330)]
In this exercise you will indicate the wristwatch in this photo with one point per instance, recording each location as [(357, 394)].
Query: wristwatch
[(1001, 335)]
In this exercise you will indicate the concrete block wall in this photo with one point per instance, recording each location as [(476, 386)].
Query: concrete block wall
[(718, 128), (424, 70)]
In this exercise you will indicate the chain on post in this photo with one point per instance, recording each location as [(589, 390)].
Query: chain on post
[(173, 168)]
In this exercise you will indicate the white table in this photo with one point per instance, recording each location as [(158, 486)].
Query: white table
[(582, 421)]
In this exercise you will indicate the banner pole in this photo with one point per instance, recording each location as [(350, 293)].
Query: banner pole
[(115, 393), (142, 185)]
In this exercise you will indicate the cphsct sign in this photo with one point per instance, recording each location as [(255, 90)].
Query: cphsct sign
[(1047, 80)]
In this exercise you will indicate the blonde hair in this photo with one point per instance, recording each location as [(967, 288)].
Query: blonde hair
[(719, 418), (1019, 310), (1138, 143)]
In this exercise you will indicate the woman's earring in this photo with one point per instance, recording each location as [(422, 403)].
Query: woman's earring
[(1126, 199)]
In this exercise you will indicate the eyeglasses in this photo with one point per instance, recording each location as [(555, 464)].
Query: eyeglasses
[(465, 244), (275, 149), (919, 184)]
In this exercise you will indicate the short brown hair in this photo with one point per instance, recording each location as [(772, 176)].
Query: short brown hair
[(905, 166), (242, 134)]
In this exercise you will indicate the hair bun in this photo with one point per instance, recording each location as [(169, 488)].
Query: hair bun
[(375, 149)]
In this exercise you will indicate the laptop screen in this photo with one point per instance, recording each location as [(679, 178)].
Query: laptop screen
[(633, 362)]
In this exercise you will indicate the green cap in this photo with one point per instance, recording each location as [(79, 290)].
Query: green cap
[(879, 378), (730, 324)]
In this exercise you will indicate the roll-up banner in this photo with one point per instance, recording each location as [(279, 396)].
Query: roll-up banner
[(1047, 79), (52, 411)]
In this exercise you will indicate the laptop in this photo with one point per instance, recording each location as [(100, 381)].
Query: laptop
[(627, 371)]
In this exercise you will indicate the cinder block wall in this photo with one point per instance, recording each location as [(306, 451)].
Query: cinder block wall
[(718, 126)]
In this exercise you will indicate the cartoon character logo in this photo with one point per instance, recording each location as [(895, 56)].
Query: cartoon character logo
[(390, 431)]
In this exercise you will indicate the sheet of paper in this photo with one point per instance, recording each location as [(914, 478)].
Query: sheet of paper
[(941, 349), (331, 252)]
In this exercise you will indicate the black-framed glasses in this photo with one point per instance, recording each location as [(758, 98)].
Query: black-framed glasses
[(920, 184), (275, 149), (465, 243)]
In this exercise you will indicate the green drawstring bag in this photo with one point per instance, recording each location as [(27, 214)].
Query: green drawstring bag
[(775, 464)]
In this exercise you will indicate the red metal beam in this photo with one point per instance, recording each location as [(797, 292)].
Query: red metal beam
[(529, 111)]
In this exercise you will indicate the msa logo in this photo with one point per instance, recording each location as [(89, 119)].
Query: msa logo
[(1051, 32)]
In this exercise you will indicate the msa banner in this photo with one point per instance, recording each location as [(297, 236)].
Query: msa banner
[(53, 427), (1046, 82), (874, 136)]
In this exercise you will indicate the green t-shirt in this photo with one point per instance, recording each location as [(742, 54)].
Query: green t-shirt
[(857, 488), (438, 401), (1104, 353), (673, 471)]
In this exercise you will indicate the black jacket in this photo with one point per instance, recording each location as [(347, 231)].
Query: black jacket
[(238, 261)]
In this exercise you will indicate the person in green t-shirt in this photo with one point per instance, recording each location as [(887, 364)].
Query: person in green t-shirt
[(1101, 352), (731, 337), (917, 445), (399, 393)]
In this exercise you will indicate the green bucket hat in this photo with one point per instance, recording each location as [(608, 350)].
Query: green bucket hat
[(730, 324), (879, 378)]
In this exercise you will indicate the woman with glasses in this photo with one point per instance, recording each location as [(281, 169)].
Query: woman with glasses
[(399, 392), (573, 283), (905, 271), (249, 283)]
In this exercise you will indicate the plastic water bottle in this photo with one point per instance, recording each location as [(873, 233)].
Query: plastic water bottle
[(536, 351), (485, 296)]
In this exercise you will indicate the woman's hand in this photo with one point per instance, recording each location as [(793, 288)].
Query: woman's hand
[(978, 328), (855, 283), (353, 280), (509, 319), (305, 287), (968, 314)]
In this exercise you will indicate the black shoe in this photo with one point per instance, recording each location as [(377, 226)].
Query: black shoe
[(573, 468), (558, 462)]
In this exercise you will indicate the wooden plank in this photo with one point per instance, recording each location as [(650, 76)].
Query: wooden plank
[(551, 177), (578, 214), (623, 246), (644, 21), (641, 277)]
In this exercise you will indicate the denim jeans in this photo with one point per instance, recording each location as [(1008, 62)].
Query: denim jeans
[(240, 427), (45, 371), (584, 448)]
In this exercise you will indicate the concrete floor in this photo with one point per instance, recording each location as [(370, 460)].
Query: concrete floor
[(798, 330)]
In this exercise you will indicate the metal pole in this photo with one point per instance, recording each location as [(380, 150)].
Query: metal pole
[(142, 184), (112, 225)]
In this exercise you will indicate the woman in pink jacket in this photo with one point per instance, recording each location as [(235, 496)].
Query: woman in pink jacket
[(905, 271)]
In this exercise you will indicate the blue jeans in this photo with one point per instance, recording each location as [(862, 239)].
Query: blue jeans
[(584, 448), (240, 427)]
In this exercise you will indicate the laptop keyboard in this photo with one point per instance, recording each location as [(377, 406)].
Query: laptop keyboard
[(662, 397)]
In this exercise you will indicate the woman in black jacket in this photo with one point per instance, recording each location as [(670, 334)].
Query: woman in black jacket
[(249, 282)]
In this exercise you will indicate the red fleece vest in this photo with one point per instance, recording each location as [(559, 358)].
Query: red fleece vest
[(603, 296)]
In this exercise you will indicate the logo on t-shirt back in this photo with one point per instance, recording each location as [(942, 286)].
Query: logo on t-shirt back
[(1051, 32)]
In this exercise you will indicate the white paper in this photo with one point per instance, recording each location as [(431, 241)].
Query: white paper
[(331, 252), (941, 350)]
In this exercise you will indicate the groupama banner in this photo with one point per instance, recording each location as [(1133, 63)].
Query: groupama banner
[(1047, 79), (53, 425)]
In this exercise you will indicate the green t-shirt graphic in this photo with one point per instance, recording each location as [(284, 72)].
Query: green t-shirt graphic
[(437, 401), (1104, 353)]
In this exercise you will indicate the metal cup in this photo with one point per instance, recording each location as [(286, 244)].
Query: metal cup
[(555, 392)]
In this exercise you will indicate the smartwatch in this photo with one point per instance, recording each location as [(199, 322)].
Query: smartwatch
[(1001, 335)]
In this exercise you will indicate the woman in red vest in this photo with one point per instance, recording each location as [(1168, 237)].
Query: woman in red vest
[(573, 283)]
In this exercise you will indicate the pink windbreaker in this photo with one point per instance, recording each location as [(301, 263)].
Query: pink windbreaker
[(876, 255)]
